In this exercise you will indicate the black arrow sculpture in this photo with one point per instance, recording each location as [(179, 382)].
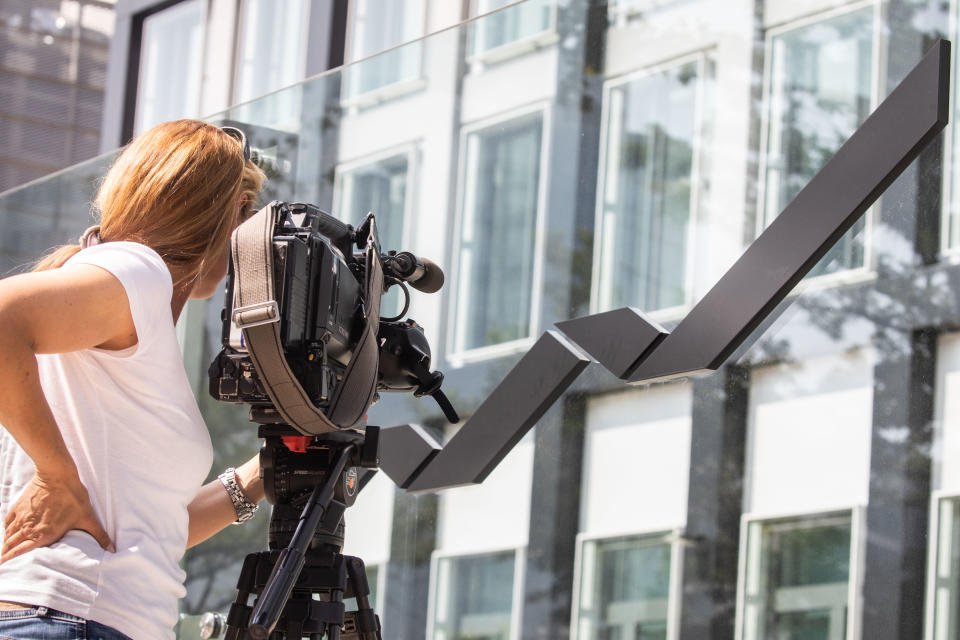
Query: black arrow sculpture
[(638, 350)]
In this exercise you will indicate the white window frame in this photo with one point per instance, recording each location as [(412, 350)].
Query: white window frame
[(205, 10), (933, 549), (516, 48), (459, 295), (622, 12), (676, 541), (516, 605), (391, 91), (702, 59), (412, 152), (238, 53), (950, 246), (858, 542), (845, 276)]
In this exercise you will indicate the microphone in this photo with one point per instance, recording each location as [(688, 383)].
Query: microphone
[(422, 273)]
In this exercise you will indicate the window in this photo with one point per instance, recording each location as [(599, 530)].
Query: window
[(624, 589), (378, 25), (946, 571), (796, 578), (821, 90), (380, 187), (474, 597), (271, 47), (495, 279), (649, 189), (171, 65), (520, 22)]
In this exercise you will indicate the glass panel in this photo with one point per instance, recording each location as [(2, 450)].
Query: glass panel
[(799, 584), (478, 595), (821, 87), (628, 591), (497, 237), (648, 189), (507, 203), (519, 22), (379, 25), (171, 68)]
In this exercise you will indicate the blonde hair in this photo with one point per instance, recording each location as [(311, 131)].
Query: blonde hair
[(176, 189)]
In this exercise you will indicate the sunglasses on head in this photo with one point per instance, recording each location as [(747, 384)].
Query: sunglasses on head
[(239, 135)]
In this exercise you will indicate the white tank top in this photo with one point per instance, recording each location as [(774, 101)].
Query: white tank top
[(131, 422)]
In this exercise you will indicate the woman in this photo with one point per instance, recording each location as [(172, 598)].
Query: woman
[(103, 449)]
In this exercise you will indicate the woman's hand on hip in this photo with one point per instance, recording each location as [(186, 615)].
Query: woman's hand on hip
[(48, 508)]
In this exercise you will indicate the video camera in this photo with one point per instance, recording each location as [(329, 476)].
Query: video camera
[(322, 310)]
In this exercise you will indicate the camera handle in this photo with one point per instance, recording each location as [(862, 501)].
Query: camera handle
[(285, 572)]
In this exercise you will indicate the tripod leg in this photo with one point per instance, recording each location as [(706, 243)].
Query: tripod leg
[(239, 616), (364, 623)]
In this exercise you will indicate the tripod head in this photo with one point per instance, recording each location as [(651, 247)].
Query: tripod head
[(300, 583), (293, 465)]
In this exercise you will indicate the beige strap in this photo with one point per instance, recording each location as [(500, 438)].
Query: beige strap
[(256, 312)]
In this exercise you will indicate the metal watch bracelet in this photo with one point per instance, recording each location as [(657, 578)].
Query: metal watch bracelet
[(244, 508)]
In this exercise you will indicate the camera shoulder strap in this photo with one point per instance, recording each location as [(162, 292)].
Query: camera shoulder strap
[(356, 391), (256, 312)]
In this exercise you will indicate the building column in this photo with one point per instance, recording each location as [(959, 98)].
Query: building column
[(554, 522), (407, 591), (897, 516), (714, 505), (894, 562), (571, 204)]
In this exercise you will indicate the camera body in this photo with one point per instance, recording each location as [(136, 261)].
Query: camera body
[(318, 286)]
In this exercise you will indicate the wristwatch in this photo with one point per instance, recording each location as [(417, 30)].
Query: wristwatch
[(244, 508)]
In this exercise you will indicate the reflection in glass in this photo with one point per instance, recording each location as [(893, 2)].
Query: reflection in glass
[(797, 578), (170, 75), (380, 187), (474, 597), (379, 25), (625, 589), (497, 234), (522, 21), (820, 92), (648, 189)]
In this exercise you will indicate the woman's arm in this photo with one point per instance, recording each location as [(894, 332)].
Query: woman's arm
[(212, 509), (55, 311)]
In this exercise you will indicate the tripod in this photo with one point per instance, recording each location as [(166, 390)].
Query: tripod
[(301, 581)]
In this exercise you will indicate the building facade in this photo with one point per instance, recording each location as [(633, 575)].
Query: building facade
[(566, 157)]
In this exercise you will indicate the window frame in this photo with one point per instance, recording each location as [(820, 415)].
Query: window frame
[(410, 150), (933, 548), (950, 195), (878, 62), (674, 537), (459, 295), (237, 51), (136, 122), (513, 49), (702, 58), (390, 91), (517, 597), (858, 540)]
